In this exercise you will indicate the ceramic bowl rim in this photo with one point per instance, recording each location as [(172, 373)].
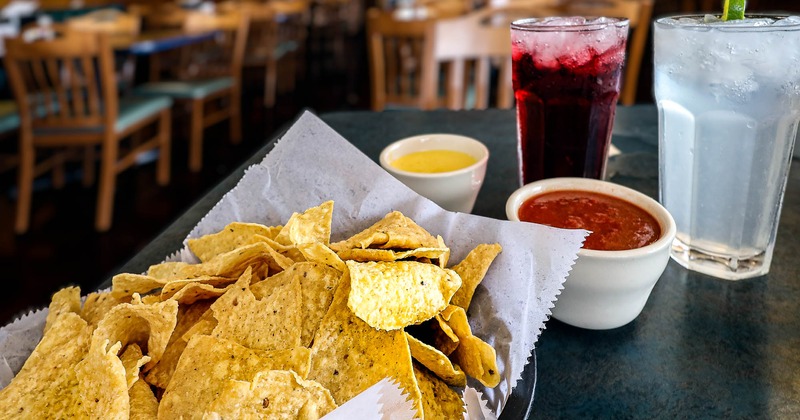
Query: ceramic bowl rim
[(384, 156), (664, 218)]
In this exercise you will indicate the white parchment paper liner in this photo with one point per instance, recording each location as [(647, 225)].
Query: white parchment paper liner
[(311, 164)]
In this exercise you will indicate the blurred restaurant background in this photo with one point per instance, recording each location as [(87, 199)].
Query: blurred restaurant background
[(198, 87)]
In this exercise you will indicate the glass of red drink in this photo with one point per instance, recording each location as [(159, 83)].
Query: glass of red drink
[(566, 74)]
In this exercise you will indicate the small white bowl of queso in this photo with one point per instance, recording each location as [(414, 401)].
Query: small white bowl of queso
[(622, 258), (448, 169)]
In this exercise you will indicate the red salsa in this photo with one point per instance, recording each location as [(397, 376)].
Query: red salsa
[(615, 224)]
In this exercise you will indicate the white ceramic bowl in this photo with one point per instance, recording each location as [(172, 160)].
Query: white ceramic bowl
[(606, 289), (454, 190)]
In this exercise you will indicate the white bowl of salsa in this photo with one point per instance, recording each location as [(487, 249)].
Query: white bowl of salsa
[(622, 258), (448, 169)]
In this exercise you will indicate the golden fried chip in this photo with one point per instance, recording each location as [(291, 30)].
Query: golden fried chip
[(394, 231), (103, 385), (124, 285), (393, 295), (232, 236), (349, 356), (230, 264), (65, 300), (97, 305), (188, 316), (208, 363), (172, 287), (143, 403), (317, 285), (272, 323), (438, 400), (204, 326), (371, 254), (149, 326), (436, 361), (45, 387), (472, 269), (274, 394), (313, 225), (444, 338), (476, 357), (133, 360), (290, 252), (317, 252)]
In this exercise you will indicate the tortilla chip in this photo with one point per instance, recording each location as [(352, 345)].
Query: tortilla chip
[(472, 269), (97, 305), (438, 400), (317, 252), (271, 323), (167, 270), (230, 264), (124, 285), (317, 285), (444, 338), (103, 385), (208, 363), (149, 326), (232, 236), (204, 326), (313, 225), (394, 231), (393, 295), (436, 361), (132, 360), (143, 403), (44, 388), (274, 394), (476, 357), (349, 356), (363, 255), (188, 316), (174, 286), (65, 300)]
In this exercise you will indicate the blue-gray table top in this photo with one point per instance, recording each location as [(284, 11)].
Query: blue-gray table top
[(701, 348)]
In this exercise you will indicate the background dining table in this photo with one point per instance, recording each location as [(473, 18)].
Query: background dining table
[(702, 347)]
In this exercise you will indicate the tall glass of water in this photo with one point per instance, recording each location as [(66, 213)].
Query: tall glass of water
[(728, 95)]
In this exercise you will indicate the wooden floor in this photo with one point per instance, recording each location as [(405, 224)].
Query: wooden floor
[(61, 248)]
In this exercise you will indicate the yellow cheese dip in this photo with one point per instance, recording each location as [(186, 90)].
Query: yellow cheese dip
[(433, 161)]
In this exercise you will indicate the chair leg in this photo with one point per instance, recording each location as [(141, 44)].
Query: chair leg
[(270, 83), (196, 136), (236, 116), (27, 160), (59, 173), (108, 177), (164, 147), (89, 173)]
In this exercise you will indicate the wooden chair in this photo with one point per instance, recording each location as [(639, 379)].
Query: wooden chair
[(470, 47), (277, 35), (395, 50), (66, 94), (208, 80)]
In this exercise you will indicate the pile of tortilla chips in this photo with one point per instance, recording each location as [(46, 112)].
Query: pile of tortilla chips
[(274, 322)]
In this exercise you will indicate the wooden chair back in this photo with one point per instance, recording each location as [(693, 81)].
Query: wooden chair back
[(109, 21), (396, 50), (224, 53), (469, 47), (64, 83)]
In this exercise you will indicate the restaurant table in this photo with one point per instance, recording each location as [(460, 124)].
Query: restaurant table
[(701, 348), (155, 41)]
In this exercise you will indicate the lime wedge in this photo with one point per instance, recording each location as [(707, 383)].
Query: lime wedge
[(733, 9)]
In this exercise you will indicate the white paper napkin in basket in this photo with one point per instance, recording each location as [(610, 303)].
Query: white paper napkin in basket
[(312, 163)]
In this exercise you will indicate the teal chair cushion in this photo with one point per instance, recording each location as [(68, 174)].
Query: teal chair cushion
[(195, 89), (9, 119), (133, 109)]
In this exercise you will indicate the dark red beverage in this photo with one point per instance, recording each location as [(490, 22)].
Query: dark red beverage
[(566, 96)]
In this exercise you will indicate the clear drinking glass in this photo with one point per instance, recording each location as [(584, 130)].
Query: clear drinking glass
[(566, 76), (728, 95)]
